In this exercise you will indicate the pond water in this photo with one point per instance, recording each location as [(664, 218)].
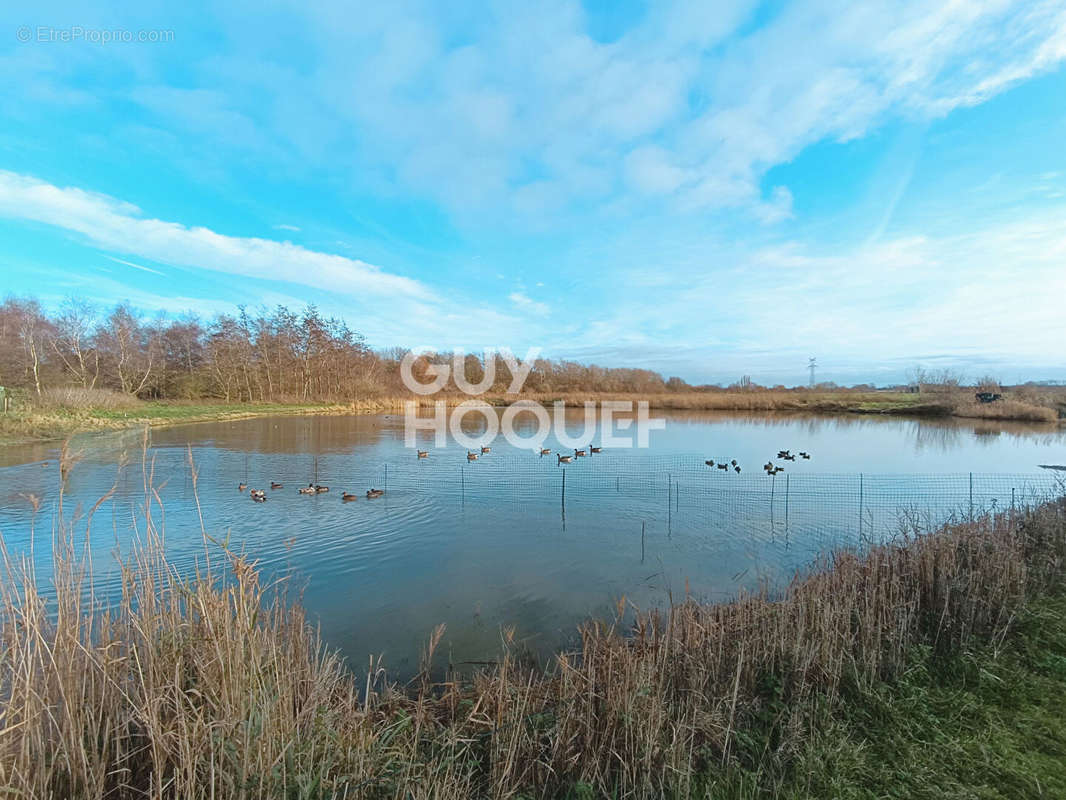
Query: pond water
[(513, 538)]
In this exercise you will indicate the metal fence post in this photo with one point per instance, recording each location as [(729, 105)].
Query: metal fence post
[(786, 499), (669, 501), (971, 497), (860, 505)]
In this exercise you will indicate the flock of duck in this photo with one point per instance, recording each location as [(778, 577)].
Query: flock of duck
[(768, 467), (564, 458), (260, 496)]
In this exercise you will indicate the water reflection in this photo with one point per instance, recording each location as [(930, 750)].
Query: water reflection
[(482, 544)]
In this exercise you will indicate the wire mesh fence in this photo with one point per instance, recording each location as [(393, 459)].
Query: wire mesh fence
[(684, 491)]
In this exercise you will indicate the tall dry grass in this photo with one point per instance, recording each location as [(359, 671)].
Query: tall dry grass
[(1006, 409), (76, 398), (213, 686)]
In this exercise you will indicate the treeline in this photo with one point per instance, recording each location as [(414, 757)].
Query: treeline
[(274, 355)]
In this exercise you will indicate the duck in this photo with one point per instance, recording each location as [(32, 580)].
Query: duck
[(565, 459), (347, 497), (545, 451), (486, 450), (709, 462), (374, 492), (275, 485), (733, 462), (258, 495), (737, 468), (321, 489), (782, 453), (471, 456), (423, 453), (769, 465), (805, 456), (723, 466), (241, 487), (308, 489), (595, 449), (579, 453)]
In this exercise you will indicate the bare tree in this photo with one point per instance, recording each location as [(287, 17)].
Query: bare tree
[(72, 342), (131, 348)]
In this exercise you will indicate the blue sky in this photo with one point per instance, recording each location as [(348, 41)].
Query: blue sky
[(706, 189)]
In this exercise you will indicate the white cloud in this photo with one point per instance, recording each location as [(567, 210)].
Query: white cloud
[(284, 227), (526, 303), (135, 266), (513, 111), (118, 226), (993, 293)]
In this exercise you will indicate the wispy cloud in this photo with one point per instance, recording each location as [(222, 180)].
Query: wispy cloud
[(135, 266), (118, 226), (526, 303)]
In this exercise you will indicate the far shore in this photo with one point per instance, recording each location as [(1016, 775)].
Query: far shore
[(43, 424)]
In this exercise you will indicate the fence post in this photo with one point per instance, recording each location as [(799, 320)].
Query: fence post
[(642, 541), (786, 500), (860, 505), (386, 486), (562, 499), (971, 497), (773, 483), (669, 501)]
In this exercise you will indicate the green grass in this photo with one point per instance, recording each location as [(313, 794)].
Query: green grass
[(53, 423), (180, 412), (985, 723)]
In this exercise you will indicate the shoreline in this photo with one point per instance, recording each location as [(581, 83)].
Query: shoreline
[(37, 426), (788, 692)]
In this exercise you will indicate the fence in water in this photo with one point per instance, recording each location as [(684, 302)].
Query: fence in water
[(683, 493)]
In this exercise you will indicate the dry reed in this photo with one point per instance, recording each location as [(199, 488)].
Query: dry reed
[(212, 685)]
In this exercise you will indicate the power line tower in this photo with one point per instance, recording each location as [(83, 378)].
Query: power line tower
[(811, 364)]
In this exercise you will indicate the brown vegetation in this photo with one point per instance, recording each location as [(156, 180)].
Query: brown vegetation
[(213, 686), (1006, 409), (79, 362)]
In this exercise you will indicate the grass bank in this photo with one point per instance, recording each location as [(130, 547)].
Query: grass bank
[(948, 404), (35, 424), (214, 686), (81, 410)]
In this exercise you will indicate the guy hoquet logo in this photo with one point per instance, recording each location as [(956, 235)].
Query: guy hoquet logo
[(442, 423)]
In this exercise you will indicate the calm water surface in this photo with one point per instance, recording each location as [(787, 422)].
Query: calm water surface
[(500, 541)]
